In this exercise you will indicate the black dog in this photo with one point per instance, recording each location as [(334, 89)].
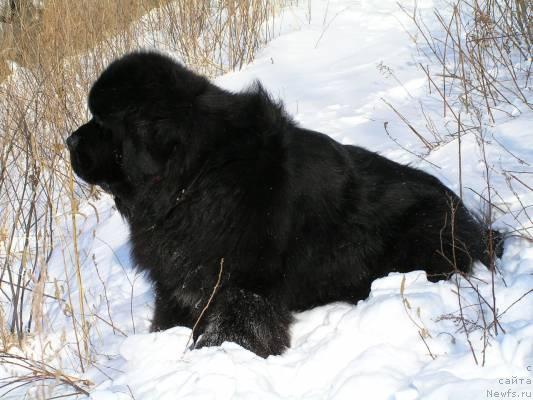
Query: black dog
[(224, 184)]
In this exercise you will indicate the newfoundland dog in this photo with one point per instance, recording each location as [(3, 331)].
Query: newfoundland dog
[(240, 217)]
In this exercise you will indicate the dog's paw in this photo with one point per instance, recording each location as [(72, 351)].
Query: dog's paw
[(263, 341)]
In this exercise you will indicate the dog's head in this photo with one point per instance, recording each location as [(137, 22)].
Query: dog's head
[(141, 106)]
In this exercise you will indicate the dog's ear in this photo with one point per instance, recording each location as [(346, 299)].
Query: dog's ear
[(165, 138)]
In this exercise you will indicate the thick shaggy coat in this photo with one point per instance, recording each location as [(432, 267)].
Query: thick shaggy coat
[(205, 178)]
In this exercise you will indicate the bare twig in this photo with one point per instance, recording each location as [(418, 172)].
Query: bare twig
[(215, 288)]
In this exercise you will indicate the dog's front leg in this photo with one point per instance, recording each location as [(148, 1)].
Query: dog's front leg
[(168, 312)]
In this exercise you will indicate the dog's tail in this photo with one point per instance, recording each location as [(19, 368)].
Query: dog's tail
[(493, 247)]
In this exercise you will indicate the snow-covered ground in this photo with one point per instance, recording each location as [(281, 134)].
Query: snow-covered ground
[(333, 70)]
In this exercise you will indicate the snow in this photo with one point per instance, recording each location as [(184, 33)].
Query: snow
[(405, 341)]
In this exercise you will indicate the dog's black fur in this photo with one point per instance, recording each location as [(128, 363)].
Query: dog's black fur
[(203, 175)]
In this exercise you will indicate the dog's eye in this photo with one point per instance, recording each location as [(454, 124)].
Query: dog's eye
[(118, 157)]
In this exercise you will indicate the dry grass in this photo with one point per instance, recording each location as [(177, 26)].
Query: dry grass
[(39, 377), (481, 58), (479, 69), (49, 58), (481, 62)]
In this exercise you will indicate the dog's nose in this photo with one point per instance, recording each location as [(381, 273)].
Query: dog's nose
[(72, 141)]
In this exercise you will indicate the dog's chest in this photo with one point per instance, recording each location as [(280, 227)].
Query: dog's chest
[(167, 256)]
